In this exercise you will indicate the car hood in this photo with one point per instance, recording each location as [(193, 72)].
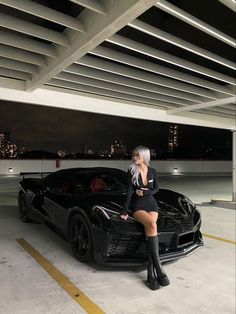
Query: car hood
[(176, 211)]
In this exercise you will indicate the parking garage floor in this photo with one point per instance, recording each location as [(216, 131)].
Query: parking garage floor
[(203, 282)]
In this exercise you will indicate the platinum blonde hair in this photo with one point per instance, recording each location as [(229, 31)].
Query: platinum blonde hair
[(144, 152)]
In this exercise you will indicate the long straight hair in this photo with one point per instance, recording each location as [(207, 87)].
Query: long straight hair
[(144, 152)]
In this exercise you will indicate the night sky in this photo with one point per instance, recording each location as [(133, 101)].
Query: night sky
[(49, 129)]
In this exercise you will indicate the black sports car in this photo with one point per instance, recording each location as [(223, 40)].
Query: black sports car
[(84, 205)]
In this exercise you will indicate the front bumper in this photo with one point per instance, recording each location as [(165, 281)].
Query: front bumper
[(176, 254), (129, 249)]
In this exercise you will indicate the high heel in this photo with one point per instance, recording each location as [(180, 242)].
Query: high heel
[(153, 247)]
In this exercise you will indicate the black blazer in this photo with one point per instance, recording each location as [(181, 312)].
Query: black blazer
[(151, 188)]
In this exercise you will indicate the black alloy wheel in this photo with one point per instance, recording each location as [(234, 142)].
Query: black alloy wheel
[(80, 238), (23, 211)]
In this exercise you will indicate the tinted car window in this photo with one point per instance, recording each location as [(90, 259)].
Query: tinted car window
[(59, 183), (100, 182)]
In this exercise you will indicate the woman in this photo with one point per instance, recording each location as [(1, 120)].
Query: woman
[(142, 185)]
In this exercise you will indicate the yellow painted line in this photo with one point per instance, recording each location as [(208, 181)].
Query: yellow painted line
[(62, 280), (218, 238)]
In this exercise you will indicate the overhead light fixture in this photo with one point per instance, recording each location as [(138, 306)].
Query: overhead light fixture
[(10, 170)]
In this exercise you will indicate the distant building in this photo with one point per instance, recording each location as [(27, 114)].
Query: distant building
[(22, 149), (118, 149), (153, 153), (11, 150), (87, 149), (103, 152), (7, 149), (173, 138), (61, 153), (4, 138)]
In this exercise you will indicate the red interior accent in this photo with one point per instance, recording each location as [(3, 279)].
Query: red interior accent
[(97, 184)]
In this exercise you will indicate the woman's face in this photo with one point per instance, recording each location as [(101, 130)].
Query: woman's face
[(137, 159)]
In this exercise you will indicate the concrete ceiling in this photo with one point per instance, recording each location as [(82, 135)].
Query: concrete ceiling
[(159, 60)]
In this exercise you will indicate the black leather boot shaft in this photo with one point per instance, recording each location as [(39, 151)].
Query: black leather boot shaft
[(153, 247)]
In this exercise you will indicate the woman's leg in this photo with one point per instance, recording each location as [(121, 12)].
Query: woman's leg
[(149, 223), (153, 247), (149, 220)]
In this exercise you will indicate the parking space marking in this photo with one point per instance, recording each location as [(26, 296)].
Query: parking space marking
[(62, 280), (218, 238)]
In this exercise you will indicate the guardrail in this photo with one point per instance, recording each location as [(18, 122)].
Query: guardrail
[(18, 166)]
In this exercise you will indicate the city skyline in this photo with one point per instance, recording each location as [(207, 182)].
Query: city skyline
[(9, 149), (51, 129)]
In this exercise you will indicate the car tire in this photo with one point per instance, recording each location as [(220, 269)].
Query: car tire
[(23, 210), (80, 238)]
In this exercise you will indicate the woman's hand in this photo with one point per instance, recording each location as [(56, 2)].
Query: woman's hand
[(139, 192), (124, 216)]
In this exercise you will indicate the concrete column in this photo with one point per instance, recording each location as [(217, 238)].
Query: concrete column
[(234, 166)]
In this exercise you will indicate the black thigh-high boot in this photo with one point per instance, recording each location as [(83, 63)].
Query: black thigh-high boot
[(151, 278), (153, 246)]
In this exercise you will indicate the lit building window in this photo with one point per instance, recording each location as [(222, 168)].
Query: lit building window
[(173, 138)]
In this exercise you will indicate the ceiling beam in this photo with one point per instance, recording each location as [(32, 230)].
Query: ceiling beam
[(12, 84), (166, 57), (209, 104), (98, 27), (231, 4), (195, 22), (125, 71), (139, 63), (173, 40), (31, 29), (111, 93), (90, 81), (22, 55), (216, 114), (231, 107), (222, 110), (130, 80), (23, 42), (91, 5), (14, 74), (17, 65), (45, 13)]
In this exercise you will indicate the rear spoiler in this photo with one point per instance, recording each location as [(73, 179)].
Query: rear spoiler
[(23, 174)]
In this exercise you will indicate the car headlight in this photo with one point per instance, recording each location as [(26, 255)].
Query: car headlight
[(110, 214), (107, 213)]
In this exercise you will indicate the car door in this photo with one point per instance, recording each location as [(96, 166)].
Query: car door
[(57, 199)]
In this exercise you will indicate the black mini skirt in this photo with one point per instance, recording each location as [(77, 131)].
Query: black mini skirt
[(147, 203)]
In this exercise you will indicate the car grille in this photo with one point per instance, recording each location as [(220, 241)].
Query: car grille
[(127, 246), (186, 223), (175, 223), (186, 238)]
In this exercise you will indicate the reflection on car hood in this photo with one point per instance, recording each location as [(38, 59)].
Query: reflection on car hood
[(113, 206), (184, 208), (178, 214)]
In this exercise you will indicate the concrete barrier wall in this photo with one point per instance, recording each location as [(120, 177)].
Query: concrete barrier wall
[(162, 166)]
